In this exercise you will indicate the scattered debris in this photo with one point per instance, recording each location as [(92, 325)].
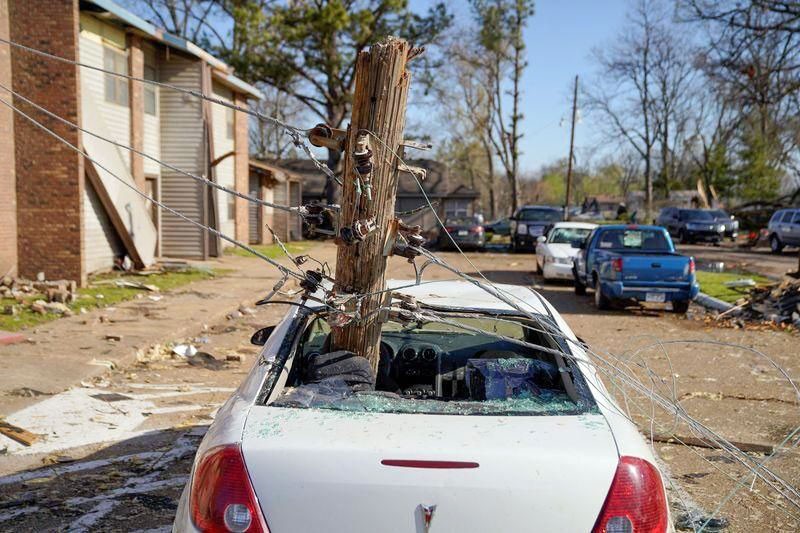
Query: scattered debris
[(777, 303), (754, 447), (7, 338), (111, 397), (112, 337), (18, 434), (128, 284), (235, 357), (27, 392), (206, 360), (185, 350), (696, 521)]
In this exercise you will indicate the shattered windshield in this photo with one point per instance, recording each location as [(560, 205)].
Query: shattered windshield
[(434, 368), (568, 235)]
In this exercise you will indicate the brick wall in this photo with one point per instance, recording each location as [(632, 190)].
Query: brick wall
[(49, 174), (136, 102), (8, 190), (241, 168)]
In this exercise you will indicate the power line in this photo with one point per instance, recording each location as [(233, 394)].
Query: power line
[(295, 133), (180, 215), (201, 179)]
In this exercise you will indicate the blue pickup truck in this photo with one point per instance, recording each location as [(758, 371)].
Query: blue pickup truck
[(622, 263)]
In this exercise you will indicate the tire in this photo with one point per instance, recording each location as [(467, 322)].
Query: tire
[(775, 244), (580, 288), (601, 301), (680, 306)]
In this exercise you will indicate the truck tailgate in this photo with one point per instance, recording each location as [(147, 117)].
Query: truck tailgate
[(655, 267)]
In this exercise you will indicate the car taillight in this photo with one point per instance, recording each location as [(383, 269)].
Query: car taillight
[(222, 497), (616, 264), (450, 229), (635, 502), (477, 229), (692, 266)]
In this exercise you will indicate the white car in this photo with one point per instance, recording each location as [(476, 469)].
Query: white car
[(508, 430), (555, 252)]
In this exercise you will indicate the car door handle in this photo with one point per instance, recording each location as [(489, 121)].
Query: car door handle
[(655, 265)]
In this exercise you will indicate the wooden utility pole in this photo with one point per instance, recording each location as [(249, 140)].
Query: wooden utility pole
[(369, 188), (571, 148)]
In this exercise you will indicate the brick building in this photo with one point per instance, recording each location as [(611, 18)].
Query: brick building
[(71, 216)]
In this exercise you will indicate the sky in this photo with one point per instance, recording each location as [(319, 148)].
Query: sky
[(559, 40)]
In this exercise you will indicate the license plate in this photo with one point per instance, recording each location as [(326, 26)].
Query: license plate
[(655, 297), (462, 233)]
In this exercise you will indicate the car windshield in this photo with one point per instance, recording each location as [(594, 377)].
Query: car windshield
[(543, 214), (495, 367), (567, 235), (650, 240), (718, 213), (696, 216)]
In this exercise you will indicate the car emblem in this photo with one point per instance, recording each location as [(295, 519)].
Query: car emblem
[(427, 515)]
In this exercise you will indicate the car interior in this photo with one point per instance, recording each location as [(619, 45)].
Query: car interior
[(433, 362)]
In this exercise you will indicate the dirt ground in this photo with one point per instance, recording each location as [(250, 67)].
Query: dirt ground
[(122, 445)]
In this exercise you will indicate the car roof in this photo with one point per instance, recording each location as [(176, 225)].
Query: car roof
[(455, 294), (462, 295), (631, 226), (576, 225)]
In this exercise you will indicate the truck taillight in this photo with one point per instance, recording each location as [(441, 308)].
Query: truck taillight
[(616, 264), (692, 266), (222, 497), (636, 500), (450, 229), (476, 229)]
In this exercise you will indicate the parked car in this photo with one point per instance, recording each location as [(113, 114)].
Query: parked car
[(690, 225), (784, 229), (467, 232), (501, 226), (634, 263), (436, 442), (555, 253), (530, 222), (731, 225)]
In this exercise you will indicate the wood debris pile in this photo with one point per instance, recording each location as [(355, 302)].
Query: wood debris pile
[(778, 303)]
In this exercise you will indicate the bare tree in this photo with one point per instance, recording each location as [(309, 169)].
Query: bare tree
[(624, 95), (195, 20), (501, 24), (266, 140)]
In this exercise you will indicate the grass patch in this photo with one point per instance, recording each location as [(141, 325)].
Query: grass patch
[(273, 251), (713, 284), (102, 295)]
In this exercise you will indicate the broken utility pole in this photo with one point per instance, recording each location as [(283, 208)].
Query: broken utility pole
[(571, 149), (369, 189)]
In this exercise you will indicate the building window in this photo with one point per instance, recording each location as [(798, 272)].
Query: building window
[(456, 208), (116, 87), (229, 125), (231, 207), (150, 91)]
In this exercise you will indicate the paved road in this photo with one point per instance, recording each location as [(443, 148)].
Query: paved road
[(152, 415)]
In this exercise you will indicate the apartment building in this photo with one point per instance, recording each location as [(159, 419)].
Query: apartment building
[(73, 215)]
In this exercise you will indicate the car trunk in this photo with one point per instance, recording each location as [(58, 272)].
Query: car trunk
[(321, 470), (655, 267)]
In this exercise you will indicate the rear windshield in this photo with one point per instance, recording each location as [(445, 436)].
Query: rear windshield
[(435, 368), (540, 214), (650, 240), (696, 216), (567, 235), (461, 221)]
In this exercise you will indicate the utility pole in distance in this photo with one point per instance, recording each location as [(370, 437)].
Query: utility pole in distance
[(571, 149), (369, 189)]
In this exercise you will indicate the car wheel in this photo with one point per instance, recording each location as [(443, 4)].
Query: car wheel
[(601, 301), (775, 244), (580, 288), (680, 306)]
